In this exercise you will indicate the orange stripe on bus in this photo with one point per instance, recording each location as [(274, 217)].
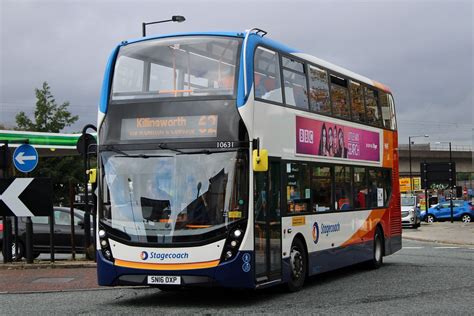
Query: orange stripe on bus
[(381, 86), (197, 226), (166, 266), (373, 219)]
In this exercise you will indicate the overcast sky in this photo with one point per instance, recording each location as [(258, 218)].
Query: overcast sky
[(423, 50)]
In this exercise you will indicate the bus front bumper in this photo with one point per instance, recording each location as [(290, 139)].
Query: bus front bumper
[(235, 273)]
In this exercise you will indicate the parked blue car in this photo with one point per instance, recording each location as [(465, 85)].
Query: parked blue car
[(463, 211)]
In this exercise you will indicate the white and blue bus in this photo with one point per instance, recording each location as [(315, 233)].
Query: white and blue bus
[(231, 160)]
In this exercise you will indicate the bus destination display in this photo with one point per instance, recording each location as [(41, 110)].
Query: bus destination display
[(143, 128)]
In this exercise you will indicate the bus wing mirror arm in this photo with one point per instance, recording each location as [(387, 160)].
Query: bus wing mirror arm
[(259, 157), (256, 145)]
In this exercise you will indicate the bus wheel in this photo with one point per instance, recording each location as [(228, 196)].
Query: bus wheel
[(298, 264), (377, 257)]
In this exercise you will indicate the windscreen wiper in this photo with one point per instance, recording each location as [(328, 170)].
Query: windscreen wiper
[(166, 147), (207, 151)]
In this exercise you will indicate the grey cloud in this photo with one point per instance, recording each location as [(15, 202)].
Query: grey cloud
[(422, 49)]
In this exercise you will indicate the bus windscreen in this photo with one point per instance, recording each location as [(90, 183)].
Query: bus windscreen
[(176, 67)]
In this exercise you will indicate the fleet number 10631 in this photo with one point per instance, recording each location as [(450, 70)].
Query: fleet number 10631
[(225, 145)]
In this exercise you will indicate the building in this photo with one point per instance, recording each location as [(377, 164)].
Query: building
[(462, 155)]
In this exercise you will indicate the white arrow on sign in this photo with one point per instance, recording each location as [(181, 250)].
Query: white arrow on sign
[(21, 158), (11, 197)]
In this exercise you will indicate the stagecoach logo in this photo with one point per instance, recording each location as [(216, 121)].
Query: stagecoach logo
[(144, 255), (330, 228), (162, 256), (315, 232)]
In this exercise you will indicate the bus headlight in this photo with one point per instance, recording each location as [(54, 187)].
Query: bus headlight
[(233, 242), (104, 244)]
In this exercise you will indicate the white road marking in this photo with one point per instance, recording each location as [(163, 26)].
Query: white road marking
[(440, 247)]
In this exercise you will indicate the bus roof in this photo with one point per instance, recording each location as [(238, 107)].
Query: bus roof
[(276, 45)]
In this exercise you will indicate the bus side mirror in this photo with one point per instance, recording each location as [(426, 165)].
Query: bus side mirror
[(260, 160), (92, 175)]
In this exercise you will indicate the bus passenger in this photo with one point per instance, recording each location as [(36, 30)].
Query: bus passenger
[(360, 198)]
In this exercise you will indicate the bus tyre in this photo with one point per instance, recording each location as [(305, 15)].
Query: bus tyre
[(298, 265), (377, 256)]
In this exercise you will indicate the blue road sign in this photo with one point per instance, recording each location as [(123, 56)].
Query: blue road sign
[(25, 158)]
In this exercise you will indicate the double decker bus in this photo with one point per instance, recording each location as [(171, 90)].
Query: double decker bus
[(229, 159)]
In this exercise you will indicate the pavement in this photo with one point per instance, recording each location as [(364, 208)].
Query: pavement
[(456, 233), (71, 275), (47, 280)]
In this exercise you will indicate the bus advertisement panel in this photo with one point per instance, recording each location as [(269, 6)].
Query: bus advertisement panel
[(319, 138)]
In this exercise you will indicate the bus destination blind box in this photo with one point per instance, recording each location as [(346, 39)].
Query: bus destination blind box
[(175, 127)]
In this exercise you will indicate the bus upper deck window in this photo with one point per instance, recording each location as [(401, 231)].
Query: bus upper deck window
[(357, 102), (388, 113), (340, 97), (267, 75), (319, 90), (371, 107), (296, 91)]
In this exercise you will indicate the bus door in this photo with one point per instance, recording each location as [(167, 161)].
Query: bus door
[(267, 216)]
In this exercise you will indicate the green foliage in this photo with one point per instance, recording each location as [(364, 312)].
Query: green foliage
[(51, 117), (61, 170)]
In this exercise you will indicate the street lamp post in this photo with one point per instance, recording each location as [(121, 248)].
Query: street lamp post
[(174, 18), (409, 159)]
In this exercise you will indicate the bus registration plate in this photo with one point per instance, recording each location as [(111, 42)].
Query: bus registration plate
[(156, 279)]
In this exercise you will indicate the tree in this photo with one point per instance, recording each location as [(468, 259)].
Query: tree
[(49, 116)]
